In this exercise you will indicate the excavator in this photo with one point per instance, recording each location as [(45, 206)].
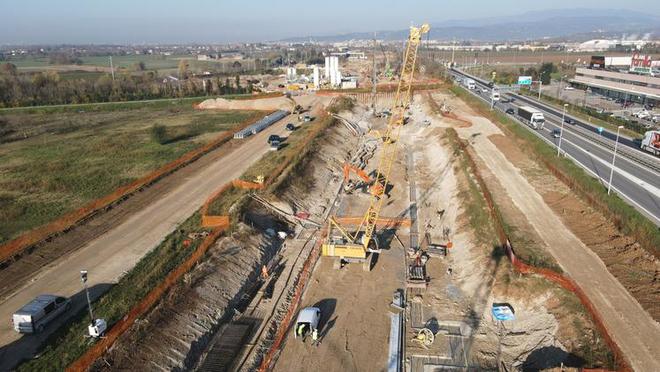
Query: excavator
[(360, 245)]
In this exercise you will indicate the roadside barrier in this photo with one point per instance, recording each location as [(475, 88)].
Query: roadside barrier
[(523, 268), (14, 248)]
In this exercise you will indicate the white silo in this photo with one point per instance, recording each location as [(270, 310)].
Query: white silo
[(326, 73), (317, 77)]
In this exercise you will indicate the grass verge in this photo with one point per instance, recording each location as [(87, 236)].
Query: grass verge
[(70, 341), (627, 219)]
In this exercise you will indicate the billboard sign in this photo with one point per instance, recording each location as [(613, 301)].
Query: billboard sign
[(640, 64), (524, 80)]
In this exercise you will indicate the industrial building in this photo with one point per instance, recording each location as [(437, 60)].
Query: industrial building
[(644, 89)]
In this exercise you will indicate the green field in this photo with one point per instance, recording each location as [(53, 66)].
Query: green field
[(56, 162)]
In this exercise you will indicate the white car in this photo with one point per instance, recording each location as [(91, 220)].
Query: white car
[(307, 322), (569, 88), (484, 90)]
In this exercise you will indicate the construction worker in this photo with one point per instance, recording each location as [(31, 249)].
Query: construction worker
[(315, 337), (301, 331)]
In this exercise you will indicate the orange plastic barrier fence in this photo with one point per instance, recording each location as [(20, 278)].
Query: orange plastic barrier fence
[(247, 185), (16, 246), (564, 282), (285, 324), (215, 221), (101, 346)]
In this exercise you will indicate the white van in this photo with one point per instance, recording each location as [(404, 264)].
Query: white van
[(307, 322), (495, 96), (36, 314)]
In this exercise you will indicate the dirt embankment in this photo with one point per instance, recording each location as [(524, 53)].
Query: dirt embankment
[(277, 103), (635, 268)]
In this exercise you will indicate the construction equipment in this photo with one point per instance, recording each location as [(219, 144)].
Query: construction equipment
[(424, 337), (350, 185), (360, 245)]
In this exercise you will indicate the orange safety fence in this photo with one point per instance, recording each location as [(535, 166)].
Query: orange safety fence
[(103, 344), (18, 245), (564, 282), (247, 185), (285, 323)]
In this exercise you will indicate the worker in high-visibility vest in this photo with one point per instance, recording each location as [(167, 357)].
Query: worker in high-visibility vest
[(301, 330), (315, 337)]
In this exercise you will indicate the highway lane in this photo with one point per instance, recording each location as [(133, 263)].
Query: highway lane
[(636, 177)]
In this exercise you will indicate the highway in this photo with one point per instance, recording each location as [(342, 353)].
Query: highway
[(636, 176)]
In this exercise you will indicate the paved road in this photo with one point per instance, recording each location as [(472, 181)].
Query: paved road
[(118, 250), (636, 174)]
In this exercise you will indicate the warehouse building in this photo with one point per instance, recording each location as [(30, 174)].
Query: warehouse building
[(644, 89)]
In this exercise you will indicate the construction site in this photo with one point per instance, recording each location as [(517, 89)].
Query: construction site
[(401, 228)]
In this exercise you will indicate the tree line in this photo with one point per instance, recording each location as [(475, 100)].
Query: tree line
[(49, 88)]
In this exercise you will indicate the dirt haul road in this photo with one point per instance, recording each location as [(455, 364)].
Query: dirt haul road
[(632, 328), (117, 251)]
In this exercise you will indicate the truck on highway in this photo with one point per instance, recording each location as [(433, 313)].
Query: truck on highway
[(531, 116), (470, 84), (651, 142), (36, 314)]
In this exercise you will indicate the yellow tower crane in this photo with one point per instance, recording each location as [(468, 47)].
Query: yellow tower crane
[(358, 246)]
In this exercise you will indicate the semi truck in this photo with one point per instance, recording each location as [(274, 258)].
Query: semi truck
[(470, 84), (531, 116), (651, 142)]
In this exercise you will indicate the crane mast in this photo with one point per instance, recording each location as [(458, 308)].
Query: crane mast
[(358, 244)]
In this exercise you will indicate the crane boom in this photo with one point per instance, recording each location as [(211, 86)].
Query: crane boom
[(358, 244)]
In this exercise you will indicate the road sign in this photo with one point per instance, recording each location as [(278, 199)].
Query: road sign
[(503, 312), (524, 80)]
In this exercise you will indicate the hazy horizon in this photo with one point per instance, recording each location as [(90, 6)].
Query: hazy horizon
[(204, 21)]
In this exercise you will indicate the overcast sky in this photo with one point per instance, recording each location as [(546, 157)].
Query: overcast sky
[(206, 21)]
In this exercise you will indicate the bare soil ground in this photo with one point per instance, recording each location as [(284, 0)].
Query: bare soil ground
[(635, 268), (281, 103), (528, 191)]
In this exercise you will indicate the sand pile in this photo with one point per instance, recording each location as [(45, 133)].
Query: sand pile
[(275, 103)]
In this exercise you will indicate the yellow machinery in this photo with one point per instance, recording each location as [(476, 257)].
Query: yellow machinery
[(358, 246)]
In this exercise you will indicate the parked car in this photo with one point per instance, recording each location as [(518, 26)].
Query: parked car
[(36, 314), (273, 137), (510, 111), (556, 133), (290, 127)]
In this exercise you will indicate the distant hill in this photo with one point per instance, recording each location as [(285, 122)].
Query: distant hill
[(527, 26)]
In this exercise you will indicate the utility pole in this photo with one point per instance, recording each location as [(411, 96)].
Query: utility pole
[(83, 278), (453, 51), (616, 143), (112, 69), (561, 131), (374, 80)]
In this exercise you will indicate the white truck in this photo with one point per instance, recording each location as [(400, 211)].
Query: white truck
[(470, 84), (35, 315), (651, 142), (532, 117)]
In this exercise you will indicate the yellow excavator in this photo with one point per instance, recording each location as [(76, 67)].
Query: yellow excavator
[(360, 245)]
